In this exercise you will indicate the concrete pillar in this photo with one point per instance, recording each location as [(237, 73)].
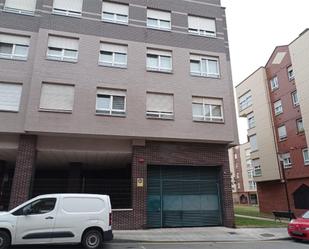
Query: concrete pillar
[(24, 170), (74, 180)]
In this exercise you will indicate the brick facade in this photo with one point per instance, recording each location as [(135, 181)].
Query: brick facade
[(272, 195), (24, 170), (182, 154)]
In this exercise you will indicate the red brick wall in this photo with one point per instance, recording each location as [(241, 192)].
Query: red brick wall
[(272, 195), (24, 170), (168, 153)]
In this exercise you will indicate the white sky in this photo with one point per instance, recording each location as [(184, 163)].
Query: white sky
[(255, 28)]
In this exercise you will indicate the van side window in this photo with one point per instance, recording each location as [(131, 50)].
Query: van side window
[(41, 206)]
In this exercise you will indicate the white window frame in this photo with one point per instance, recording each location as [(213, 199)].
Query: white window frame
[(295, 98), (110, 111), (113, 62), (274, 83), (160, 114), (62, 57), (245, 101), (286, 159), (290, 71), (19, 11), (66, 12), (201, 32), (278, 108), (251, 120), (13, 55), (206, 60), (306, 156), (281, 137), (300, 129), (253, 149), (252, 185), (250, 173), (18, 97), (209, 118), (159, 57), (115, 18), (158, 26), (257, 170)]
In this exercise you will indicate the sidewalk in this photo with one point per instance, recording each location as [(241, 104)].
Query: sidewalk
[(205, 234)]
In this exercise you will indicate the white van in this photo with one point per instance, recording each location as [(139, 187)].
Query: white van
[(58, 219)]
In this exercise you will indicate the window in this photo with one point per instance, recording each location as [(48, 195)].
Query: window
[(204, 66), (68, 7), (62, 48), (251, 120), (291, 75), (278, 107), (252, 185), (300, 125), (26, 7), (282, 133), (41, 206), (295, 98), (250, 173), (253, 142), (158, 19), (202, 26), (306, 156), (248, 163), (14, 47), (286, 160), (111, 102), (158, 60), (113, 55), (115, 12), (207, 109), (257, 171), (274, 83), (10, 95), (248, 153), (245, 101), (57, 97), (160, 105)]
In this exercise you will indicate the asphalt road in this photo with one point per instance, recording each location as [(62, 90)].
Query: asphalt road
[(286, 244)]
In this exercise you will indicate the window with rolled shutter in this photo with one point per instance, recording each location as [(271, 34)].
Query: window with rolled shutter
[(158, 19), (113, 55), (207, 109), (57, 97), (111, 102), (62, 48), (282, 133), (202, 26), (68, 7), (115, 12), (160, 105), (159, 60), (10, 95), (20, 6), (206, 66)]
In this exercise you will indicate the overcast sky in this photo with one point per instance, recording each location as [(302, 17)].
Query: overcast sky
[(255, 28)]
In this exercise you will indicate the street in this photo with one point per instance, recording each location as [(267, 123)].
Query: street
[(284, 244)]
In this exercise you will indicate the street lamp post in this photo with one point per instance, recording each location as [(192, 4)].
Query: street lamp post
[(284, 181)]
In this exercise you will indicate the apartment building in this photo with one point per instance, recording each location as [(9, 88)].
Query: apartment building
[(128, 98), (269, 99), (243, 184)]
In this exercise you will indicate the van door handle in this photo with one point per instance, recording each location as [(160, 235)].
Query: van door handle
[(49, 218)]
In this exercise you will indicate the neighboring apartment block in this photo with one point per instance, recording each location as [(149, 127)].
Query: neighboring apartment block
[(128, 98), (243, 184), (269, 99)]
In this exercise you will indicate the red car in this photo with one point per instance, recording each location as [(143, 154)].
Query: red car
[(298, 228)]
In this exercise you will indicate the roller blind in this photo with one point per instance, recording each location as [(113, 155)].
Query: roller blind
[(62, 42), (159, 102), (158, 14), (57, 97), (113, 48), (111, 92), (15, 39), (202, 23), (21, 4), (71, 5), (159, 52), (115, 8), (10, 95), (209, 101)]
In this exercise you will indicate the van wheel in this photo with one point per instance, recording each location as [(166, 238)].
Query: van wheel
[(92, 239), (5, 240)]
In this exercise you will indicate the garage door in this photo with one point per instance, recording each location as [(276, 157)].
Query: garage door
[(183, 197)]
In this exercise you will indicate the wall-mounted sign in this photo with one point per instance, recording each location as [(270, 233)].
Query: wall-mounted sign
[(140, 182)]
